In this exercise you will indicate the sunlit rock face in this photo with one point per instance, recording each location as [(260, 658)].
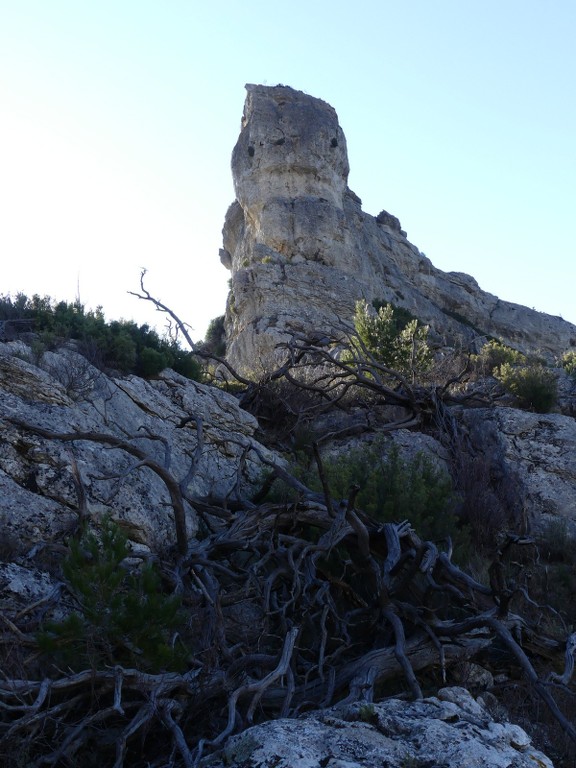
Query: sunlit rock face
[(63, 393), (290, 146), (301, 251)]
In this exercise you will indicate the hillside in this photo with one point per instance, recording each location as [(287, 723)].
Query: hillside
[(348, 541)]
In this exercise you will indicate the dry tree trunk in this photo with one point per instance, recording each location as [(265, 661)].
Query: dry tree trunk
[(290, 607)]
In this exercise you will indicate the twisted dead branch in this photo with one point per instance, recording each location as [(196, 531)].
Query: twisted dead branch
[(173, 486), (289, 607), (333, 594)]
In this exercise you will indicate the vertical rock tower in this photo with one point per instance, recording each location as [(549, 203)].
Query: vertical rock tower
[(285, 237), (301, 250)]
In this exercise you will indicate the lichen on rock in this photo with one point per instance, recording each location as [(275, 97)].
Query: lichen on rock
[(450, 730)]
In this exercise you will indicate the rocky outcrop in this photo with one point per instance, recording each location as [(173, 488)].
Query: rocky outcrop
[(451, 729), (40, 479), (534, 455), (301, 251)]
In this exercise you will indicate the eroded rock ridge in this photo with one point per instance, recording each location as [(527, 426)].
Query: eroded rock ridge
[(302, 251)]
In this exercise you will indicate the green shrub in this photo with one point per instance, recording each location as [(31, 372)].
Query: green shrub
[(553, 576), (124, 617), (120, 345), (121, 350), (534, 386), (186, 365), (215, 339), (152, 362), (568, 362), (494, 354), (393, 489), (393, 338)]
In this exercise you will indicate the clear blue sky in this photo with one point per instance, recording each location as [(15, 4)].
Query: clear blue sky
[(118, 118)]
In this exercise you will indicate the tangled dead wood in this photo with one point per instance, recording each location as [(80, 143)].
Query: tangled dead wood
[(289, 607)]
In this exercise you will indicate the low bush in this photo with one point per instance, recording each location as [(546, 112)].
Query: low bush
[(215, 339), (123, 615), (119, 345), (495, 354), (534, 386), (394, 338), (393, 489), (568, 362)]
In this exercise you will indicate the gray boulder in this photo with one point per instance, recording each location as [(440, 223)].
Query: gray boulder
[(450, 730), (42, 480), (535, 455)]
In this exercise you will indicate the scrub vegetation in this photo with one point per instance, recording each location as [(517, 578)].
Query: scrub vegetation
[(119, 345), (353, 572)]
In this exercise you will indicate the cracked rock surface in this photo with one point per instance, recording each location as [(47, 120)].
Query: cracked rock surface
[(302, 251), (37, 484), (535, 454), (451, 730)]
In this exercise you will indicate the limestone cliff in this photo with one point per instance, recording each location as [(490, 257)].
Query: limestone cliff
[(301, 250)]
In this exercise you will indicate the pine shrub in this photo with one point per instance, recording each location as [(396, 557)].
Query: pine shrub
[(123, 615), (394, 338), (393, 489), (495, 354), (568, 362)]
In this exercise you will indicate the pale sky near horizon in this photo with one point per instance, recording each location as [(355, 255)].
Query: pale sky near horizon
[(118, 119)]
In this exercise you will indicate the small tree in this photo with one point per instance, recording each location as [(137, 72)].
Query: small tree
[(215, 340), (398, 343), (124, 616)]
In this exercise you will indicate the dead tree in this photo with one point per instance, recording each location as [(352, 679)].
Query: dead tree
[(290, 606)]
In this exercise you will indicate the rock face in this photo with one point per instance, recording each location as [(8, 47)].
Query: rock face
[(63, 394), (452, 729), (301, 250), (536, 457)]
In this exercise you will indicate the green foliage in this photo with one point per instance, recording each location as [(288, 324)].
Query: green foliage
[(186, 364), (393, 489), (367, 713), (568, 362), (527, 378), (152, 362), (394, 338), (401, 315), (534, 386), (124, 616), (553, 574), (215, 340), (120, 345), (494, 354)]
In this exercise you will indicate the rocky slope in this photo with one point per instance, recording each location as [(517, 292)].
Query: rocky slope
[(78, 443), (301, 251), (195, 431)]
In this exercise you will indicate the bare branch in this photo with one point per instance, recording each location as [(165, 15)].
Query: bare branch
[(161, 307), (172, 486)]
